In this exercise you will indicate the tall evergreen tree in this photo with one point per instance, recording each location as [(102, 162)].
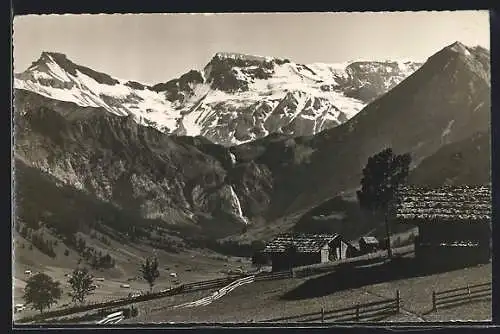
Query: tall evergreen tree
[(149, 271), (383, 173)]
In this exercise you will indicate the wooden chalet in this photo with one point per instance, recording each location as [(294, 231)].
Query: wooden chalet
[(454, 222), (287, 250)]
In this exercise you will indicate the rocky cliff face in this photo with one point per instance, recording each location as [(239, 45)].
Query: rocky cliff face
[(117, 161), (235, 99)]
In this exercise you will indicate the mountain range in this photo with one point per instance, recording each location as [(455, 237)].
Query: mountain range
[(205, 169), (236, 98)]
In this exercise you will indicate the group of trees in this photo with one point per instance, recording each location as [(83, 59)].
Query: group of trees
[(135, 233), (41, 291), (37, 238), (45, 246), (100, 261), (96, 259)]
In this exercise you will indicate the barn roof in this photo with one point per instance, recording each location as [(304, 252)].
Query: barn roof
[(304, 243), (447, 203), (369, 240)]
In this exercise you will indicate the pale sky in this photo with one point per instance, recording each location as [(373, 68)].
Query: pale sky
[(153, 48)]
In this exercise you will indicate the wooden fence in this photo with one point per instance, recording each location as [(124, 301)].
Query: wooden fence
[(362, 260), (188, 287), (218, 294), (273, 276), (463, 295), (112, 318), (360, 312), (204, 285)]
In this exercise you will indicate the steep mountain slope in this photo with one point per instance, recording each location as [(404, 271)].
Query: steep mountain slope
[(135, 168), (236, 99), (465, 162), (41, 197), (336, 215), (445, 101)]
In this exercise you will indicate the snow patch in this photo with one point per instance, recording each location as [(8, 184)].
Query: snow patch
[(447, 130), (478, 106), (236, 203), (233, 157), (56, 70)]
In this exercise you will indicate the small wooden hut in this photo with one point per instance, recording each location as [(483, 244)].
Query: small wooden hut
[(368, 245), (454, 222), (287, 250)]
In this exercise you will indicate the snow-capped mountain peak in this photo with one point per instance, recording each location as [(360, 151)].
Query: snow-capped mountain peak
[(242, 56), (54, 75), (47, 66)]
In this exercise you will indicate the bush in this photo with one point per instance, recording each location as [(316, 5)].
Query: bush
[(126, 312), (133, 311)]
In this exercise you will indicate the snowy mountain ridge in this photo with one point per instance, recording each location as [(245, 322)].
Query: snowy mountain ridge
[(235, 99)]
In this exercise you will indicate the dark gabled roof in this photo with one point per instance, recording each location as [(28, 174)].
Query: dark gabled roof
[(454, 244), (369, 240), (304, 243), (447, 203)]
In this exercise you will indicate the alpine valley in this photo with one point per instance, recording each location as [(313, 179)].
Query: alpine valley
[(240, 150)]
